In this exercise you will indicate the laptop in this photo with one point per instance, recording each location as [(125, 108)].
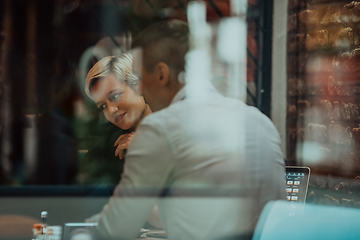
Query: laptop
[(297, 182)]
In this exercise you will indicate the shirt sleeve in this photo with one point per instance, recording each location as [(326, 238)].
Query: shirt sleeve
[(149, 163)]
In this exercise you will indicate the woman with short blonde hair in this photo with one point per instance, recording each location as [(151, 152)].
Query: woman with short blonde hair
[(112, 85)]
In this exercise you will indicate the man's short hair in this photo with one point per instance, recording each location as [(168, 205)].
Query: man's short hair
[(167, 42)]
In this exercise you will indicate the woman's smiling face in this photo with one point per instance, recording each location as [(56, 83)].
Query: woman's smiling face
[(119, 103)]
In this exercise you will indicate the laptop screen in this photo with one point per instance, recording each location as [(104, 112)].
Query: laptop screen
[(297, 181)]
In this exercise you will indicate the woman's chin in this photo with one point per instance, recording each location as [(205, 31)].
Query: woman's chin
[(124, 126)]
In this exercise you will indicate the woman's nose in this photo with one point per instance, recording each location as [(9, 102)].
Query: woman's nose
[(113, 108)]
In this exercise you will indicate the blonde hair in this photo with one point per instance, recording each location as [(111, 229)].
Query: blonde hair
[(120, 67)]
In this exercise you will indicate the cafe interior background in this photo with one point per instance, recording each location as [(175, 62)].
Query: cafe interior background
[(302, 71)]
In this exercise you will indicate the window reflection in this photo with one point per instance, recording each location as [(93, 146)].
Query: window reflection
[(51, 132), (323, 105)]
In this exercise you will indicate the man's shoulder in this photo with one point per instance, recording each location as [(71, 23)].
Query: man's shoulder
[(255, 119), (175, 114), (251, 112), (160, 118)]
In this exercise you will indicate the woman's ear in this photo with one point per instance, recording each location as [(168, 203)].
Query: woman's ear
[(163, 73)]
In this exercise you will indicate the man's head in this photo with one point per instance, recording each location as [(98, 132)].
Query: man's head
[(164, 46)]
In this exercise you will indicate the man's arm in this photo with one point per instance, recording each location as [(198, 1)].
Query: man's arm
[(149, 163)]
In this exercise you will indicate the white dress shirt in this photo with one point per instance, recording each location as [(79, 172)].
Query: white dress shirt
[(211, 163)]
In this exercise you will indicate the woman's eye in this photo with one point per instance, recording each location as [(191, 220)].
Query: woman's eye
[(115, 96), (102, 107)]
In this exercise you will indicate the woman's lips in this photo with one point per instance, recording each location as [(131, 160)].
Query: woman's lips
[(120, 117)]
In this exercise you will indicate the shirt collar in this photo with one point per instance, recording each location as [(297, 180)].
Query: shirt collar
[(206, 89), (179, 96)]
